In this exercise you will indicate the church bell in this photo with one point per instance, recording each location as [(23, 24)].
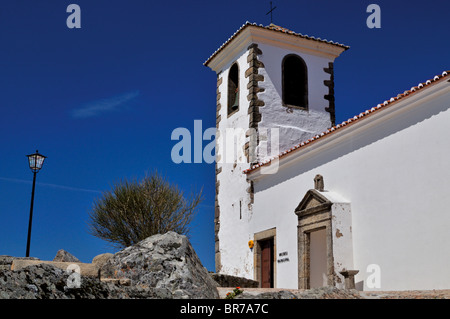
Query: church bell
[(236, 101)]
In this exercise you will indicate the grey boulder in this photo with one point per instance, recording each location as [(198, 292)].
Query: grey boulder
[(165, 261)]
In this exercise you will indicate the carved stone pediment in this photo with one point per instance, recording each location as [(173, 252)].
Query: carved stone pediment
[(312, 202)]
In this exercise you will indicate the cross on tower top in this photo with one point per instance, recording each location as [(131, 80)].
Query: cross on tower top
[(271, 10)]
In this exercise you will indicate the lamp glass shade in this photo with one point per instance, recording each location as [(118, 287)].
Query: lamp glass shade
[(36, 161)]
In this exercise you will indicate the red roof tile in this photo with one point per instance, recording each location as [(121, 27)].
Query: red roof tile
[(420, 86), (274, 28)]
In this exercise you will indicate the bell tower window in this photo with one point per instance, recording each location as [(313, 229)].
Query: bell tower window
[(295, 81), (233, 89)]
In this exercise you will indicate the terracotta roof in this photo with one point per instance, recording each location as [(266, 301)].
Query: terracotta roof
[(358, 117), (274, 28)]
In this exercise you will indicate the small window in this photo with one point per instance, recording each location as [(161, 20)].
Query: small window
[(295, 81), (233, 89), (240, 209)]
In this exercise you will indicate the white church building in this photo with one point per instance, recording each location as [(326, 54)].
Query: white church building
[(306, 202)]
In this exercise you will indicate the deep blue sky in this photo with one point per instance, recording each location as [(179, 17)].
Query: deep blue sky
[(102, 101)]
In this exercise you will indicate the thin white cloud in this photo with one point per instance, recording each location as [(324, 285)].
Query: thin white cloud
[(16, 180), (95, 108)]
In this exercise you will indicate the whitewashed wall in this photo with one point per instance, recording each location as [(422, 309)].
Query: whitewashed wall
[(396, 175)]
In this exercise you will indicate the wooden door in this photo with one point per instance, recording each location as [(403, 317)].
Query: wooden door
[(267, 263)]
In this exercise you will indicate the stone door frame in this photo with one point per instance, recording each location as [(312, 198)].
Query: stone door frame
[(258, 238), (314, 213)]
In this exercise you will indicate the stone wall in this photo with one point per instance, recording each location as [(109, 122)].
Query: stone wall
[(6, 261), (233, 281)]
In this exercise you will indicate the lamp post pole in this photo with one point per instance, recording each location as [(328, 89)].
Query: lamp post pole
[(31, 215), (35, 161)]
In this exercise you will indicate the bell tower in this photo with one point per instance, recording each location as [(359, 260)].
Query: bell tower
[(275, 89)]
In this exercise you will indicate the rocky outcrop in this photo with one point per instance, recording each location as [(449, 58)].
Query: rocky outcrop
[(6, 261), (316, 293), (329, 292), (233, 281), (161, 266), (84, 269), (64, 256), (45, 281), (163, 261), (100, 260)]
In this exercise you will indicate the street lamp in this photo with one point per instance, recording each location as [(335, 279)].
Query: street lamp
[(35, 162)]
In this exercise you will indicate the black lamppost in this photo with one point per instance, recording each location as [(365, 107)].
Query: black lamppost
[(35, 161)]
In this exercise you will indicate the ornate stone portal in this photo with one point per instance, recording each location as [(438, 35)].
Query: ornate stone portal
[(314, 214), (323, 210)]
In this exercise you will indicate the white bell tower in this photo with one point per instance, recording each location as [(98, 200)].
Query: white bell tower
[(275, 89)]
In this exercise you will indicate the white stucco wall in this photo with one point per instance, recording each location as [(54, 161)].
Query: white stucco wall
[(396, 176)]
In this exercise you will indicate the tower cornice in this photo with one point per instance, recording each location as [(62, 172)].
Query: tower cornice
[(271, 35)]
